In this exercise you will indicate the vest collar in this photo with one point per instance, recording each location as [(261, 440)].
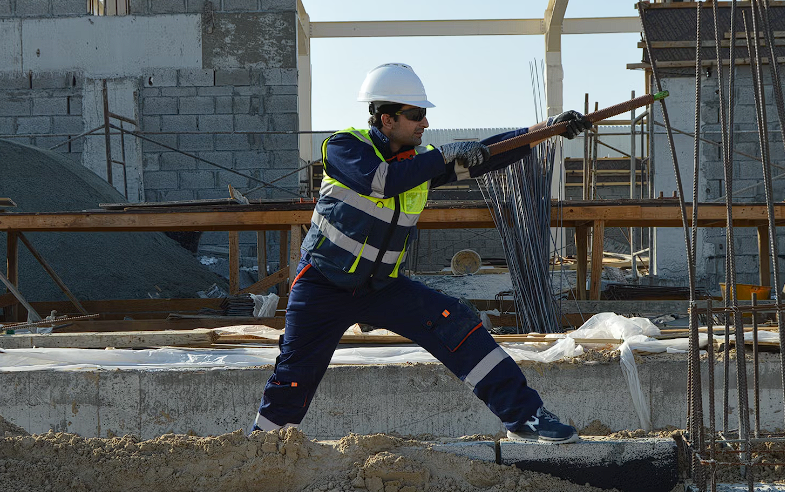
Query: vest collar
[(382, 143)]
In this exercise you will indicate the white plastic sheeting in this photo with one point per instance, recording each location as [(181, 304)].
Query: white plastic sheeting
[(636, 334)]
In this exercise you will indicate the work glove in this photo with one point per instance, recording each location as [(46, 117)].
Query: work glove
[(466, 155), (577, 123)]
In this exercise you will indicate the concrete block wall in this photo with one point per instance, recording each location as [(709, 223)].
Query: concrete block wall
[(747, 174), (46, 109), (436, 247)]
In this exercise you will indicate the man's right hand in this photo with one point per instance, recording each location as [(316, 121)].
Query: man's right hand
[(466, 155)]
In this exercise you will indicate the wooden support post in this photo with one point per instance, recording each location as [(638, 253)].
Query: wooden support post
[(582, 254), (53, 274), (764, 275), (598, 240), (261, 254), (283, 259), (12, 270), (234, 262), (295, 241)]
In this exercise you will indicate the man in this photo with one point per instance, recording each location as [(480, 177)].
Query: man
[(375, 185)]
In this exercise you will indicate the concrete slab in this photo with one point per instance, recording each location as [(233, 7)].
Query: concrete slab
[(630, 465)]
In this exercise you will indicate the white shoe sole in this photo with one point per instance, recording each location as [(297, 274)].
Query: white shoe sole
[(543, 440)]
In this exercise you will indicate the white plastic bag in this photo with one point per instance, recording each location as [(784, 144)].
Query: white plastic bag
[(264, 306)]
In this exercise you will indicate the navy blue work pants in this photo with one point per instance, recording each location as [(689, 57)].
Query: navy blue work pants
[(318, 314)]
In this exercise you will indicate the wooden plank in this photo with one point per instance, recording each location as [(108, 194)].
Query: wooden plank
[(179, 203), (598, 239), (295, 242), (261, 254), (7, 299), (764, 259), (12, 269), (53, 274), (283, 261), (135, 339), (581, 252), (234, 262), (168, 324), (263, 285)]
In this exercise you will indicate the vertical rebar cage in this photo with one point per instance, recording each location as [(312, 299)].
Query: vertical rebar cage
[(714, 452)]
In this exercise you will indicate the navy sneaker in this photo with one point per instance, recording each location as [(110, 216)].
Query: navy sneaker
[(545, 427)]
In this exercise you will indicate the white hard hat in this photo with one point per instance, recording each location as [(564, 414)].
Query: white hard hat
[(394, 82)]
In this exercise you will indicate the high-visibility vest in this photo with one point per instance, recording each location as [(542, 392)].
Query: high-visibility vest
[(354, 237)]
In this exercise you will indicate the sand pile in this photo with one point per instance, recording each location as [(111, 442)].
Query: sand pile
[(96, 265), (273, 461)]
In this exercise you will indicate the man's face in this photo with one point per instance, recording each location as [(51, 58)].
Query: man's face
[(401, 130)]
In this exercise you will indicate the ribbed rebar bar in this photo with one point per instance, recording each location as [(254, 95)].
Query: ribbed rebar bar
[(778, 98)]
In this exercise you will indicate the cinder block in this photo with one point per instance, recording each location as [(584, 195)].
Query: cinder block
[(282, 89), (248, 123), (284, 121), (232, 142), (159, 78), (289, 76), (139, 7), (227, 178), (51, 80), (10, 81), (167, 6), (49, 142), (150, 92), (178, 91), (151, 123), (151, 162), (69, 7), (15, 106), (169, 140), (215, 123), (249, 160), (6, 126), (177, 195), (233, 77), (286, 159), (197, 179), (223, 105), (191, 143), (208, 194), (240, 5), (280, 142), (72, 125), (280, 104), (33, 124), (266, 76), (5, 8), (160, 180), (175, 161), (159, 105), (196, 6), (179, 123), (221, 158), (251, 90), (241, 104), (197, 105), (278, 5), (222, 90), (74, 105), (196, 77), (33, 8)]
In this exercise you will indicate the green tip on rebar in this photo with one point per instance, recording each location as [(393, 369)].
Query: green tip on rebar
[(661, 95)]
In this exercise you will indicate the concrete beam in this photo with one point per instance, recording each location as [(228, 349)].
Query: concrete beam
[(408, 399), (476, 27)]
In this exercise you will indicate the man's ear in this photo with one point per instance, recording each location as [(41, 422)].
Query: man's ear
[(387, 120)]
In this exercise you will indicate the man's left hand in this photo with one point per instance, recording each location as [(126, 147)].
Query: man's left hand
[(577, 123)]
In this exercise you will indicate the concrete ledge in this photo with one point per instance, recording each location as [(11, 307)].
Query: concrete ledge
[(629, 465)]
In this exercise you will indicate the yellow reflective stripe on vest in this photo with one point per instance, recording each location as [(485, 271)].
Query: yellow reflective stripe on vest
[(333, 189), (353, 246)]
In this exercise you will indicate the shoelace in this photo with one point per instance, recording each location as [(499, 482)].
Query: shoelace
[(548, 415)]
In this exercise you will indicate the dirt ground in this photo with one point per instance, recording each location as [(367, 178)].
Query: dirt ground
[(272, 461)]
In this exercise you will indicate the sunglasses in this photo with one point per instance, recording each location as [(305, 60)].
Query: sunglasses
[(412, 114)]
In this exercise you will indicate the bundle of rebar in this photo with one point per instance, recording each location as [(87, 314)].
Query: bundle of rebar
[(520, 198)]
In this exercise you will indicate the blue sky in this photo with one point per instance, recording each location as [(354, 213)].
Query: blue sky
[(474, 81)]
